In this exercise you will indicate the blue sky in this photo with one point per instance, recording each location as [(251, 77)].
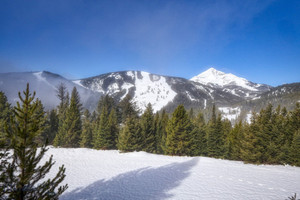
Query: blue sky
[(255, 39)]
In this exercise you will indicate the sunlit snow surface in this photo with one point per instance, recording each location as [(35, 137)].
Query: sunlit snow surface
[(93, 174), (216, 77)]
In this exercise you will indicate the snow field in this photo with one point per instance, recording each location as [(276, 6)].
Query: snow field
[(95, 174)]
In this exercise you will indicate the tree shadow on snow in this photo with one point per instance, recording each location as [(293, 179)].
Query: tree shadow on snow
[(145, 183)]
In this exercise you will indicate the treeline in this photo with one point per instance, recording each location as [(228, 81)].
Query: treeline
[(272, 137)]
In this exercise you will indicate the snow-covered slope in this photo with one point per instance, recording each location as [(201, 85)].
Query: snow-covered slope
[(45, 85), (142, 86), (231, 83), (109, 175)]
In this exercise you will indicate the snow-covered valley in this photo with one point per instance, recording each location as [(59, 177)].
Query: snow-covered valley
[(96, 174)]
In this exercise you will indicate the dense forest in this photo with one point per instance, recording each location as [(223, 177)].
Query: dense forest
[(272, 137)]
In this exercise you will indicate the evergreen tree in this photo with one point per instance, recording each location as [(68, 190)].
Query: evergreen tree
[(163, 123), (158, 133), (251, 149), (86, 137), (147, 129), (106, 101), (215, 136), (200, 135), (233, 142), (113, 128), (72, 124), (127, 108), (105, 132), (53, 122), (39, 111), (294, 151), (179, 140), (130, 137), (63, 96), (22, 174), (5, 114)]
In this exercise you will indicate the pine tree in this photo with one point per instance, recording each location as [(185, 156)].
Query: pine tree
[(103, 135), (106, 101), (215, 136), (53, 122), (130, 136), (22, 174), (72, 124), (163, 123), (86, 137), (200, 134), (39, 111), (294, 151), (251, 150), (147, 128), (113, 128), (5, 114), (233, 142), (158, 133), (179, 140), (127, 108), (63, 96)]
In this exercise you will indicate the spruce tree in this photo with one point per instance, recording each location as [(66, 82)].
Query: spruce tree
[(53, 122), (63, 96), (179, 140), (130, 136), (103, 139), (200, 134), (86, 137), (113, 128), (5, 114), (294, 151), (147, 128), (163, 123), (72, 124), (22, 173), (215, 136), (127, 108), (39, 111)]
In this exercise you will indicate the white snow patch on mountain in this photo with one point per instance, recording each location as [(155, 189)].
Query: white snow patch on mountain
[(78, 82), (215, 77), (96, 174), (39, 76), (157, 92), (230, 113)]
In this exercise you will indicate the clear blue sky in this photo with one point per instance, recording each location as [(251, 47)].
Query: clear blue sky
[(255, 39)]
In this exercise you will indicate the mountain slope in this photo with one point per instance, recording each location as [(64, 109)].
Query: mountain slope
[(161, 91), (231, 83), (235, 97), (45, 85)]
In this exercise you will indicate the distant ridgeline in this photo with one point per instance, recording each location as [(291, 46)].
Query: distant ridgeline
[(236, 98), (272, 137)]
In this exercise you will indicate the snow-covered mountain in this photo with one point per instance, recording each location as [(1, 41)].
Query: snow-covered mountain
[(45, 85), (161, 91), (228, 82), (234, 96)]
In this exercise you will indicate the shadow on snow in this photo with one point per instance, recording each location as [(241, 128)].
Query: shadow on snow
[(145, 183)]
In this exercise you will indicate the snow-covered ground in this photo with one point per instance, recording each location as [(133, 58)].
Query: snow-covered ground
[(93, 174)]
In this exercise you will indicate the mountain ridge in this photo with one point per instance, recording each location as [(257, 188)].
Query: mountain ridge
[(163, 92)]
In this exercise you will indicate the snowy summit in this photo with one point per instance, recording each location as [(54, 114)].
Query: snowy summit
[(215, 77)]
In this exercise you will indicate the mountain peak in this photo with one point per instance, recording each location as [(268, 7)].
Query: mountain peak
[(219, 78)]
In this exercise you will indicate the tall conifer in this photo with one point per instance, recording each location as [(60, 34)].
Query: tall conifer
[(22, 175)]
